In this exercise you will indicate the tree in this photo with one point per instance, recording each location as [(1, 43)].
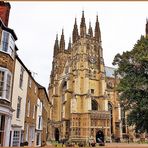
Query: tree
[(133, 86)]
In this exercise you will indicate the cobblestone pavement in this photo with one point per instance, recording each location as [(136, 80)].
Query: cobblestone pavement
[(109, 145)]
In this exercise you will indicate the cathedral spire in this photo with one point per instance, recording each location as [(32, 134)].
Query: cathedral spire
[(90, 32), (56, 46), (62, 41), (97, 30), (75, 34), (83, 26), (69, 44), (146, 27)]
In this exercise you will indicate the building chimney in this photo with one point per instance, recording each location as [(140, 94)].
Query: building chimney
[(4, 12)]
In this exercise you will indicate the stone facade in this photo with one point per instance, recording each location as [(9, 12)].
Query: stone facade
[(30, 114), (82, 104), (37, 114)]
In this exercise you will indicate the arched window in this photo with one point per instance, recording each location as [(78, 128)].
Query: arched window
[(94, 105), (64, 86), (110, 109)]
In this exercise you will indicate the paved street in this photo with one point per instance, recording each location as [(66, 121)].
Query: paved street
[(108, 145), (114, 145)]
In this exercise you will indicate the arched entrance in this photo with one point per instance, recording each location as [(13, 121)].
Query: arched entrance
[(100, 137), (57, 134)]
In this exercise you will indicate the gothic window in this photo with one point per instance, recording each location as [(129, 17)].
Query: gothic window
[(94, 105), (110, 109), (64, 87)]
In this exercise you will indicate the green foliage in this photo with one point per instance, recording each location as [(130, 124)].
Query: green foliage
[(133, 87)]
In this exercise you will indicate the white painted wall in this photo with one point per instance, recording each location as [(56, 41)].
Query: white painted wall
[(17, 91)]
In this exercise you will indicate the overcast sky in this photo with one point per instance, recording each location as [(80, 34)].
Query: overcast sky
[(37, 23)]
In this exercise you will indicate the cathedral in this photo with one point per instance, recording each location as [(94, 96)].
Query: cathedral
[(82, 89)]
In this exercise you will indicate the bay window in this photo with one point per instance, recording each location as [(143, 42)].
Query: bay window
[(7, 43), (5, 83)]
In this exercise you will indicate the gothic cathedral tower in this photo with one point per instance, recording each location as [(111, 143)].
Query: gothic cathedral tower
[(78, 87)]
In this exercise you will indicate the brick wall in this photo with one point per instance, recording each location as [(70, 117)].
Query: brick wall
[(4, 12)]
